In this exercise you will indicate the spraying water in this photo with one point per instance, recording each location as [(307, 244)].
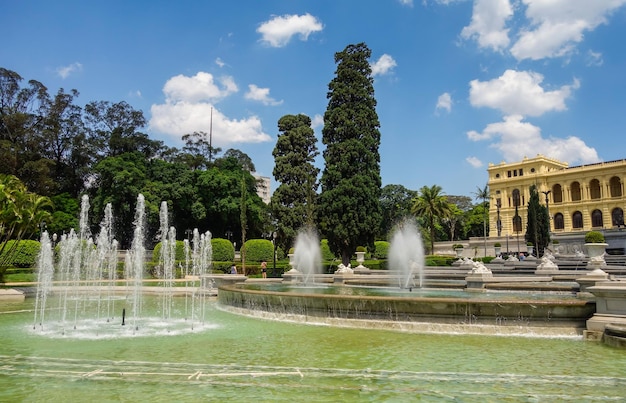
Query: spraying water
[(406, 254), (307, 255)]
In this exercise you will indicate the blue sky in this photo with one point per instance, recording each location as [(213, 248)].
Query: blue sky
[(459, 84)]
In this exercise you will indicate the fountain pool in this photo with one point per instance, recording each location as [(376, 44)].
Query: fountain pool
[(250, 359)]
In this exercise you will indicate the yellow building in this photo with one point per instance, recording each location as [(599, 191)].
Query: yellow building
[(579, 198)]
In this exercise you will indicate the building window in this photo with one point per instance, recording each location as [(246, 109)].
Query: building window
[(515, 172), (516, 201), (594, 189), (617, 216), (517, 223), (575, 191), (521, 172), (577, 220), (596, 219), (615, 184), (508, 173), (559, 222), (557, 194), (497, 176)]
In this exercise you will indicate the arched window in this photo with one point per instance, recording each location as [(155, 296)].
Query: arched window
[(557, 194), (575, 192), (516, 198), (559, 223), (617, 216), (615, 185), (577, 219), (594, 188), (596, 218)]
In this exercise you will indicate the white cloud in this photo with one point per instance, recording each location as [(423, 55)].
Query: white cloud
[(383, 65), (201, 87), (261, 94), (474, 162), (519, 93), (189, 104), (594, 58), (220, 62), (65, 71), (444, 102), (317, 121), (516, 139), (489, 18), (408, 3), (557, 25), (278, 31)]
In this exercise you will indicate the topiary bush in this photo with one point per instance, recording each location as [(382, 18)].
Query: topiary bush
[(381, 250), (180, 251), (594, 237), (223, 250), (327, 255), (24, 255), (257, 250)]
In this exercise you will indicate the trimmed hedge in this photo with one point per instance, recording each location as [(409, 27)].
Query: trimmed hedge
[(381, 250), (180, 251), (257, 250), (25, 254), (223, 250), (325, 249)]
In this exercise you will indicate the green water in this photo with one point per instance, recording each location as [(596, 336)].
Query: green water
[(244, 359)]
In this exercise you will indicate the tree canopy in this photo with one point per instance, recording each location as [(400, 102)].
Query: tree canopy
[(349, 208)]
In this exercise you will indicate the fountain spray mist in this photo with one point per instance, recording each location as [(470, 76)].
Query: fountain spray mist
[(406, 254)]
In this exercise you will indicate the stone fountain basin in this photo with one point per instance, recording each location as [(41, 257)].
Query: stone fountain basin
[(534, 315)]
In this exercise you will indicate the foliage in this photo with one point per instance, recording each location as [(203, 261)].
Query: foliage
[(361, 249), (257, 250), (529, 244), (223, 250), (327, 255), (24, 253), (395, 202), (431, 204), (594, 237), (349, 207), (457, 246), (179, 254), (538, 224), (294, 201), (497, 244), (381, 250)]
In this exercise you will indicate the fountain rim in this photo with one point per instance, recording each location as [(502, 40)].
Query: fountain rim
[(569, 302)]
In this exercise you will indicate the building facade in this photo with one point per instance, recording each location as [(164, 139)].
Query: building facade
[(579, 198), (263, 187)]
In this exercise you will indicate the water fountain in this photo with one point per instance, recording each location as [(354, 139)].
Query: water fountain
[(406, 253), (86, 300)]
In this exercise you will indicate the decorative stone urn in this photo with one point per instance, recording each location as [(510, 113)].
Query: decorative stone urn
[(360, 257), (596, 251), (459, 252), (497, 250)]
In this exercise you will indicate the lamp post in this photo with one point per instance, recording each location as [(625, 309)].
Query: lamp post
[(498, 221), (546, 193), (188, 232), (274, 235)]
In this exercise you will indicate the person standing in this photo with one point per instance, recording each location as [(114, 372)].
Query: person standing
[(264, 269)]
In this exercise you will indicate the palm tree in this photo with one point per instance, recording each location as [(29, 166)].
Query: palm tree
[(431, 203), (483, 194)]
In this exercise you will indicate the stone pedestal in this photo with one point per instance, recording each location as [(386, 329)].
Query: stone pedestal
[(610, 306)]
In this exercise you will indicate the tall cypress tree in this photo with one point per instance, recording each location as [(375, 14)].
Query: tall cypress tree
[(349, 205), (537, 227), (294, 201)]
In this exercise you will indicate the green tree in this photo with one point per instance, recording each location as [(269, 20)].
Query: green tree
[(198, 150), (294, 201), (483, 194), (395, 202), (349, 208), (431, 204), (537, 227)]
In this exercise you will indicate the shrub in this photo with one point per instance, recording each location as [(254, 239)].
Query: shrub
[(594, 237), (555, 242), (223, 250), (257, 250), (361, 249), (24, 255), (457, 246), (381, 249), (497, 244), (327, 255), (529, 244), (180, 251)]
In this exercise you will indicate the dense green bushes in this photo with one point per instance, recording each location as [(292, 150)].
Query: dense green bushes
[(326, 253), (257, 250), (381, 250), (180, 251), (24, 255), (223, 250)]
